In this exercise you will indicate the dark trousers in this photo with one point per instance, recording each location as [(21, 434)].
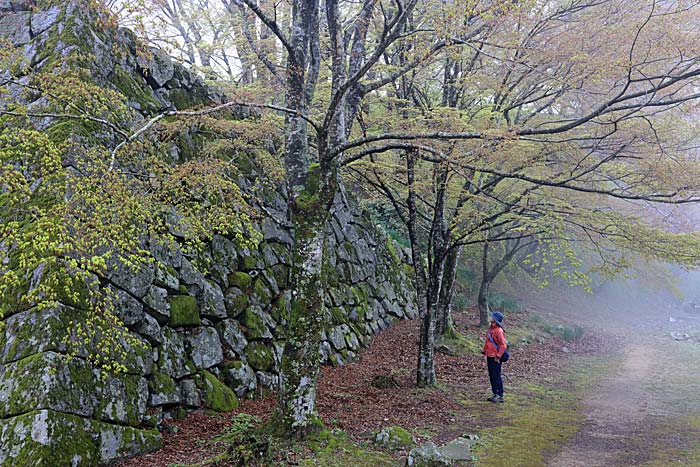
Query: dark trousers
[(495, 375)]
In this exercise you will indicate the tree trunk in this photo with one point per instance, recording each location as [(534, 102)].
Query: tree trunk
[(426, 349), (300, 359), (486, 279), (426, 366), (444, 321), (482, 301), (426, 363), (299, 366), (488, 275), (311, 189)]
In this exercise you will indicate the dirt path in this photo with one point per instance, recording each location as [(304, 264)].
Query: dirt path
[(644, 411)]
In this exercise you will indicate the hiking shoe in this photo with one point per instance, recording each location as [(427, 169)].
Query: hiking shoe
[(499, 399), (493, 398)]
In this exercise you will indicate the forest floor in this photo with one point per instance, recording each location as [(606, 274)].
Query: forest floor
[(621, 396)]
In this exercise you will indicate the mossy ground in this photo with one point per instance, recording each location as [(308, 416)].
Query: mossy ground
[(538, 418), (340, 451)]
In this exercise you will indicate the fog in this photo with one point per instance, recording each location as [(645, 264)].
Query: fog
[(660, 302)]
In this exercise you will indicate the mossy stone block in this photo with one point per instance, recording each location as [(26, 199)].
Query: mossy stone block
[(394, 437), (261, 291), (52, 381), (339, 315), (215, 394), (281, 274), (236, 301), (47, 438), (240, 279), (254, 325), (163, 390), (278, 310), (249, 262), (184, 311), (259, 356)]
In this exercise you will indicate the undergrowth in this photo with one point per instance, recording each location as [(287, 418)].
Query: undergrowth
[(567, 333), (504, 303), (247, 442)]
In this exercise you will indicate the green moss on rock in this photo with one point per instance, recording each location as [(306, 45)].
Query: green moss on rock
[(215, 394), (394, 437), (64, 131), (240, 279), (281, 275), (339, 315), (184, 311), (181, 99), (47, 438), (261, 291), (160, 383), (133, 90), (249, 262), (278, 309), (254, 325), (259, 356)]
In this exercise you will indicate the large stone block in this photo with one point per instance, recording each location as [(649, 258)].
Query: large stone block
[(14, 27), (52, 381), (204, 347), (212, 301), (239, 376), (257, 324), (135, 281), (232, 336), (184, 311), (215, 395), (46, 438), (171, 355), (50, 329)]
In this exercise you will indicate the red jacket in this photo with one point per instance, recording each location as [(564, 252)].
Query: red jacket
[(499, 337)]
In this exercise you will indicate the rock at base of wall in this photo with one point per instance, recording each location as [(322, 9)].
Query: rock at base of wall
[(46, 438)]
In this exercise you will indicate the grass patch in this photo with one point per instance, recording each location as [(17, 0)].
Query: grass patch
[(461, 344), (677, 443)]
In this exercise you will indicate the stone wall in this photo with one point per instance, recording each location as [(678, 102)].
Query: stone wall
[(207, 337)]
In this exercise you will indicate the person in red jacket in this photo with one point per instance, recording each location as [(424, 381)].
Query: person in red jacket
[(494, 347)]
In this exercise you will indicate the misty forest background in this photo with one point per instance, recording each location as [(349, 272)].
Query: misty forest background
[(533, 143)]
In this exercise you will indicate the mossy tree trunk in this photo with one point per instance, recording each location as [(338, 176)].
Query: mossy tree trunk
[(311, 187), (311, 179), (435, 283), (426, 366), (300, 359)]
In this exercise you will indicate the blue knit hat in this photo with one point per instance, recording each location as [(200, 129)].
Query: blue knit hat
[(498, 317)]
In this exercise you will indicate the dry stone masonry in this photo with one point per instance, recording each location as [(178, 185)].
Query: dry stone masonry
[(208, 337)]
